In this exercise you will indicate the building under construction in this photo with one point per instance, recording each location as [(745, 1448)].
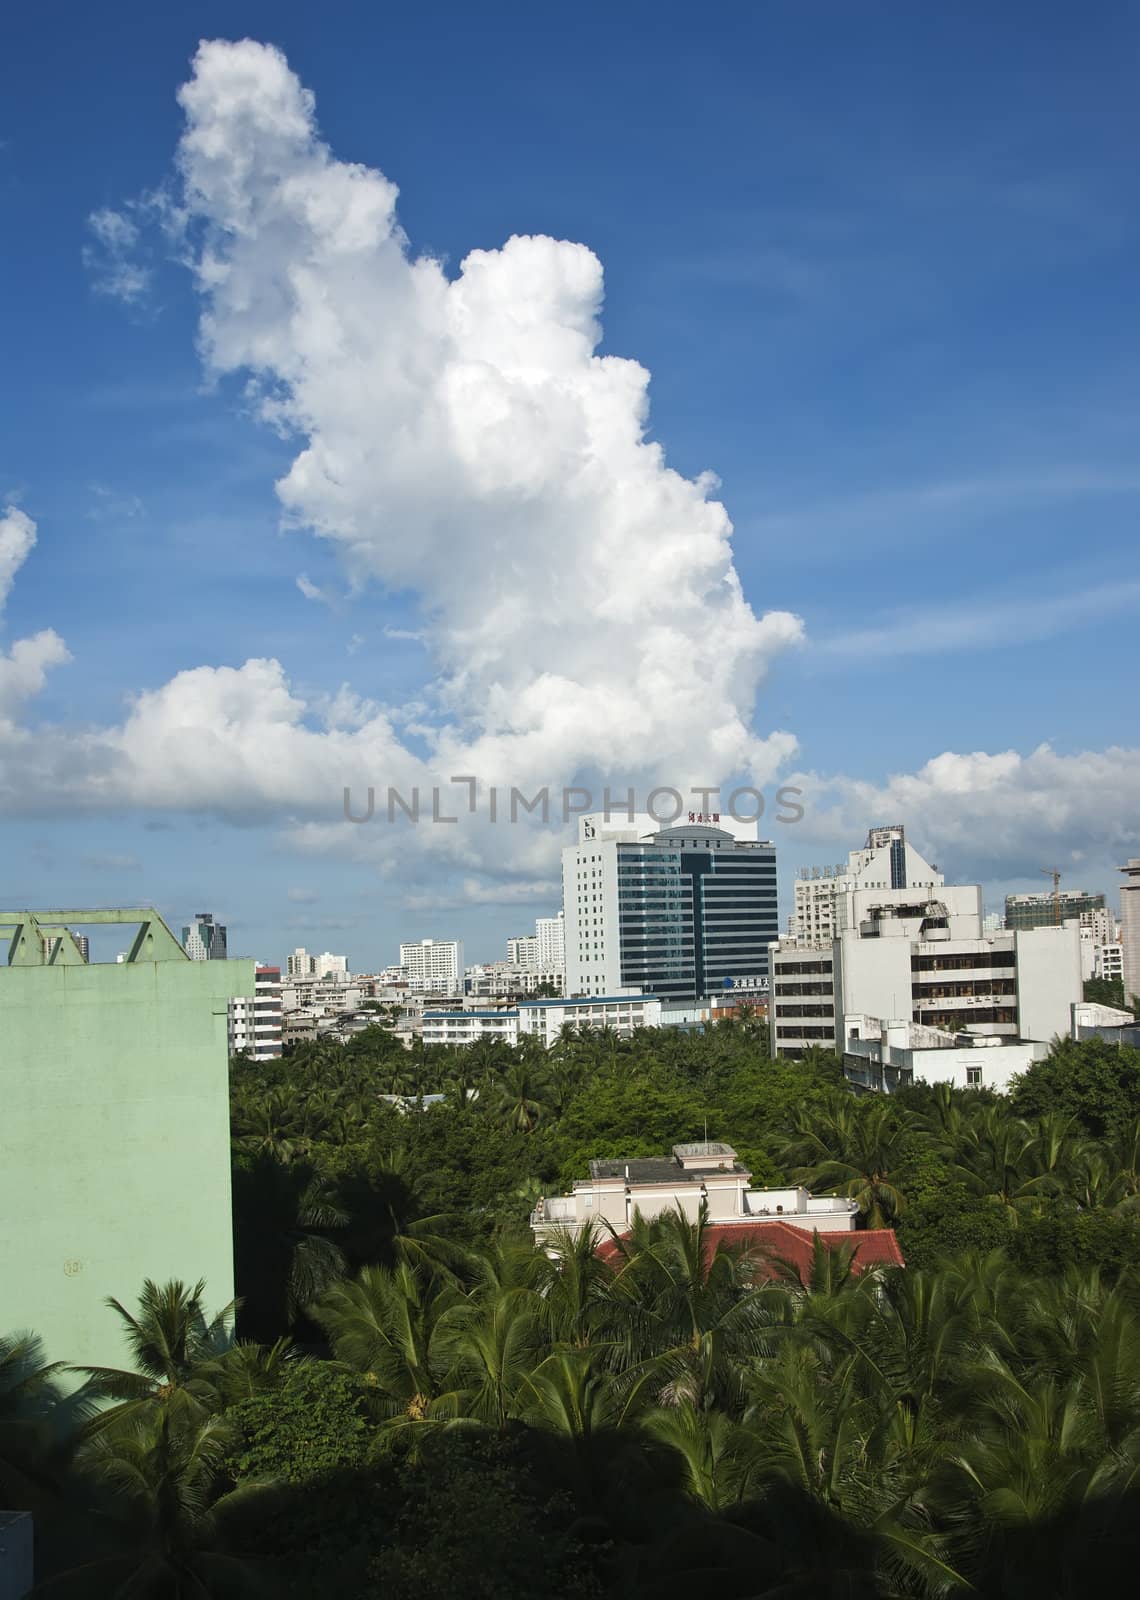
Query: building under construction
[(1047, 909)]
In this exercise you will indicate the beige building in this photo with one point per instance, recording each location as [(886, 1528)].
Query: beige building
[(706, 1171)]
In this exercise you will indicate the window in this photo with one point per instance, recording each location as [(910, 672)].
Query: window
[(973, 1077)]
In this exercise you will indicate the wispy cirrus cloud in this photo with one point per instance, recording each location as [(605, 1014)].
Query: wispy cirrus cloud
[(980, 621), (889, 511)]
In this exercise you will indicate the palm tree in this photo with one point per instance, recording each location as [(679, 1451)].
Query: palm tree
[(520, 1096), (170, 1340), (578, 1286), (688, 1313), (495, 1340), (1001, 1157), (162, 1497), (392, 1326), (855, 1147), (286, 1223), (32, 1407), (720, 1456)]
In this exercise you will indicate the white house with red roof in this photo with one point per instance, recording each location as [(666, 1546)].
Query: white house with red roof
[(703, 1173)]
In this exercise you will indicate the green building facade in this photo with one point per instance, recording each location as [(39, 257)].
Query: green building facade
[(114, 1127)]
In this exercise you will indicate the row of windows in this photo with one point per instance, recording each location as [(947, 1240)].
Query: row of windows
[(962, 991), (977, 959), (933, 1018)]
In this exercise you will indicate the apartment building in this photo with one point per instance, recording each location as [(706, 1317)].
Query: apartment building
[(302, 965), (433, 966), (255, 1021), (542, 1020)]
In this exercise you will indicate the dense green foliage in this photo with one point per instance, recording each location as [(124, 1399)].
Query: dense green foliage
[(420, 1403), (1110, 992)]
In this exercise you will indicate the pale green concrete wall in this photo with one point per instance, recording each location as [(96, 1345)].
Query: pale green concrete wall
[(114, 1143)]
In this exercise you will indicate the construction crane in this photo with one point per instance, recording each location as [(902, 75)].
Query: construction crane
[(1051, 872)]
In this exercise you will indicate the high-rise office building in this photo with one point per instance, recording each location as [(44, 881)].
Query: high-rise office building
[(434, 966), (683, 912), (1046, 910), (204, 939), (1130, 927)]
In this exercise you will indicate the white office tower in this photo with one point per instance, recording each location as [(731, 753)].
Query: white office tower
[(434, 966), (523, 951), (682, 912), (906, 946), (1130, 927)]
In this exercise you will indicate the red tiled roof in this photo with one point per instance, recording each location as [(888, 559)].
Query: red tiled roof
[(772, 1241)]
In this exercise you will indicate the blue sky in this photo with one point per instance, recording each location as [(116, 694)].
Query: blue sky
[(881, 266)]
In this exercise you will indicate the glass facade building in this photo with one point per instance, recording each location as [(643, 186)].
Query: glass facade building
[(696, 912)]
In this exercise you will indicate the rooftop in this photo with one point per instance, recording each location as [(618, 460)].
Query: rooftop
[(589, 1000), (768, 1246)]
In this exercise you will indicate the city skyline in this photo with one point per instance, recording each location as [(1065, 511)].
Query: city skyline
[(232, 576)]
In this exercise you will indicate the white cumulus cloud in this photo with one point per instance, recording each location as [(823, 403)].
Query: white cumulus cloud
[(25, 665), (1006, 814), (464, 439)]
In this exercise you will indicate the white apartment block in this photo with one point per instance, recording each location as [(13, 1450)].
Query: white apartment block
[(550, 934), (469, 1027), (703, 1173), (500, 980), (1130, 927), (545, 1019), (907, 947), (323, 996), (433, 966), (302, 965), (545, 947), (1108, 961), (255, 1022)]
